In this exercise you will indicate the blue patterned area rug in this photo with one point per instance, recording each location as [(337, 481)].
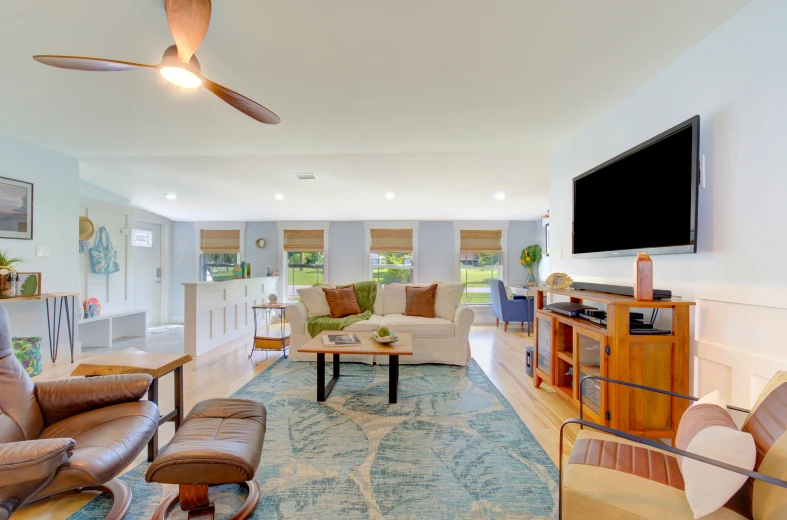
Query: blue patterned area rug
[(452, 447)]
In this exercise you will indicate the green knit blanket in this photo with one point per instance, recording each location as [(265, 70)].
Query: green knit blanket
[(365, 292)]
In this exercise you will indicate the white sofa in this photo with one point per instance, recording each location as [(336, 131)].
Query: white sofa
[(435, 340)]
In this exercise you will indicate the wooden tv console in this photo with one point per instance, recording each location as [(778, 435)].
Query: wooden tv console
[(568, 349)]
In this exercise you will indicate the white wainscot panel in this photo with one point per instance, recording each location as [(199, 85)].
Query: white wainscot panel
[(220, 312)]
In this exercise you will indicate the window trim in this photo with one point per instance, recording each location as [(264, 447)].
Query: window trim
[(390, 224), (501, 225), (283, 279)]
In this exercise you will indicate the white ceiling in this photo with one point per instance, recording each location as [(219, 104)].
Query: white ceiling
[(448, 101)]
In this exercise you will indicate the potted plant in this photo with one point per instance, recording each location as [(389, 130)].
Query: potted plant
[(8, 274), (531, 255)]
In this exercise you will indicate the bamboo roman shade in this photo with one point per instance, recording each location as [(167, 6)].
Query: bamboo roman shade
[(304, 240), (391, 241), (480, 241), (220, 241)]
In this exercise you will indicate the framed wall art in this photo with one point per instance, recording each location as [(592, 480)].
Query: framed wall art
[(16, 209)]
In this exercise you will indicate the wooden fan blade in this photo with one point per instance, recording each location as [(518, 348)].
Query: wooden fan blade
[(188, 21), (85, 63), (247, 106)]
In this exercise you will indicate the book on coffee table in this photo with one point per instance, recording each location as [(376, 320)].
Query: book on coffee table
[(340, 340)]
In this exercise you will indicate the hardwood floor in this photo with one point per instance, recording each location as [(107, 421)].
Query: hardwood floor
[(223, 371)]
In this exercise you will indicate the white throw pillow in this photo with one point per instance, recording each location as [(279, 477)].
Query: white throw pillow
[(707, 429), (447, 299), (315, 301), (395, 298)]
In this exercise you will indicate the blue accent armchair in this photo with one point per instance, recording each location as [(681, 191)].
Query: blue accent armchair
[(520, 310)]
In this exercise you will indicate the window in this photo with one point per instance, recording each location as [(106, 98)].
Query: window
[(141, 238), (305, 250), (392, 267), (480, 259), (391, 255), (476, 270), (304, 269), (218, 267), (220, 254)]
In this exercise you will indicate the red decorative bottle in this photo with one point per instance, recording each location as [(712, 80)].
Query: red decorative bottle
[(643, 278)]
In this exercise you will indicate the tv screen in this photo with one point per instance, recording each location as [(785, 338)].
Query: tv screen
[(642, 200)]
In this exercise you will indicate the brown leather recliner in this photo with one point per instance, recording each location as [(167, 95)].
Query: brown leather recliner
[(74, 434)]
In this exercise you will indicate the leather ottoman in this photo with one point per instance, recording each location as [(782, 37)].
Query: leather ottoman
[(219, 442)]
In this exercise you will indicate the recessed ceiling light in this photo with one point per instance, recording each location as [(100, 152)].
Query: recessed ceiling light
[(500, 195), (171, 196), (390, 195), (279, 196)]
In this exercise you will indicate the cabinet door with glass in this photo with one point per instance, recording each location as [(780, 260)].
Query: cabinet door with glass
[(592, 357), (545, 332)]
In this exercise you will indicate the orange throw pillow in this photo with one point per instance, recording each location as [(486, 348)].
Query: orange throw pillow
[(342, 301), (420, 301)]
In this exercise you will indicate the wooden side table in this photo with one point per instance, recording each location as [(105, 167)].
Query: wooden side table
[(157, 365), (267, 340)]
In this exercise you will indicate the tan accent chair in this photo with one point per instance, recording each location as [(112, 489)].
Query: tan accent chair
[(69, 435), (617, 476)]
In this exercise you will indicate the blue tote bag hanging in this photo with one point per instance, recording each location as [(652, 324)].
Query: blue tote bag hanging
[(104, 256)]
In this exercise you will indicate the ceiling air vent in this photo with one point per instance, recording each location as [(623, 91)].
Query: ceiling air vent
[(306, 176)]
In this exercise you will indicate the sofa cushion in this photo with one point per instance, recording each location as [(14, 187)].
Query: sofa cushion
[(315, 301), (342, 301), (419, 326), (420, 301), (369, 325), (395, 301), (447, 299)]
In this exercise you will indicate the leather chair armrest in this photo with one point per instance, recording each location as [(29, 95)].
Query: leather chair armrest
[(61, 399), (28, 461)]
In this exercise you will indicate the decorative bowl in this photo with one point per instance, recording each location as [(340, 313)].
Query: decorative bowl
[(385, 339)]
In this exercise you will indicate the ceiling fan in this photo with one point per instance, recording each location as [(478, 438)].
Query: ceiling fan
[(188, 21)]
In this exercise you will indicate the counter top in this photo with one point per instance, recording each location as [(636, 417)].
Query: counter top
[(232, 281)]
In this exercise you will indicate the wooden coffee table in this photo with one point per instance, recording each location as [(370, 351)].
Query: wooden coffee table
[(368, 346), (157, 365)]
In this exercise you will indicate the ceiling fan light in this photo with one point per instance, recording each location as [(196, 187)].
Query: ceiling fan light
[(181, 77)]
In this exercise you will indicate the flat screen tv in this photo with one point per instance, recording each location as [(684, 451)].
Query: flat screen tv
[(645, 199)]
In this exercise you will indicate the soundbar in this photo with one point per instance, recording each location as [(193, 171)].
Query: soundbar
[(658, 294)]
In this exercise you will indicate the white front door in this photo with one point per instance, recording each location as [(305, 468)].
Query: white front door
[(146, 248)]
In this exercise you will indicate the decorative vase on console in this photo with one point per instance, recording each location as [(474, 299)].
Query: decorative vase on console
[(531, 255)]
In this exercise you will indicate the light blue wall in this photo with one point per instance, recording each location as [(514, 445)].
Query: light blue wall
[(436, 252), (347, 250), (260, 259), (184, 268), (55, 179), (521, 233), (93, 192)]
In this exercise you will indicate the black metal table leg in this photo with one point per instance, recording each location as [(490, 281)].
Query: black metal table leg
[(70, 324), (153, 398), (393, 378), (323, 390)]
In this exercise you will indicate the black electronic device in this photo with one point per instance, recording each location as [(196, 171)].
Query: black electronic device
[(661, 172), (658, 294), (567, 308), (594, 315)]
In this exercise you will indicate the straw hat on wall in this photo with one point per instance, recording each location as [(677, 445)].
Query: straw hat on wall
[(86, 228)]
